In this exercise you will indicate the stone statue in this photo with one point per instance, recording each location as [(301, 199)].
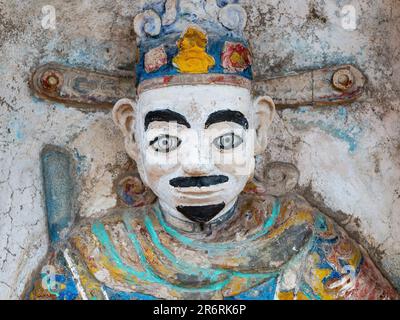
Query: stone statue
[(213, 231)]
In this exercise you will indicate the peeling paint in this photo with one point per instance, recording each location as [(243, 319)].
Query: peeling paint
[(360, 181)]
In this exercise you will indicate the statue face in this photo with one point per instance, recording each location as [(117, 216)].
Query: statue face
[(195, 145)]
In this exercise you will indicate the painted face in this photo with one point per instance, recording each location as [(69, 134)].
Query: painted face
[(195, 147)]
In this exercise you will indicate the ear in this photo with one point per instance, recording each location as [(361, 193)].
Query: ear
[(264, 113), (124, 113)]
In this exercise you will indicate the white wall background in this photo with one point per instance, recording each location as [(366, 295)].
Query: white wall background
[(348, 156)]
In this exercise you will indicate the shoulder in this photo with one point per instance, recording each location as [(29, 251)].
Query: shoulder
[(103, 250), (328, 236), (91, 234), (289, 208), (294, 207), (109, 219), (293, 211)]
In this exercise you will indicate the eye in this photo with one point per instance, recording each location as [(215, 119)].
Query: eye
[(165, 143), (228, 141)]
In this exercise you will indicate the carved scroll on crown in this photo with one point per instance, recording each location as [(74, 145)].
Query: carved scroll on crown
[(233, 17), (212, 8), (169, 16), (147, 22)]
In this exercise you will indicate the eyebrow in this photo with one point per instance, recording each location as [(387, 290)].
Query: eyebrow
[(227, 116), (165, 115)]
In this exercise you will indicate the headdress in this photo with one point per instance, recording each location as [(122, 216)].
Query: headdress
[(192, 42)]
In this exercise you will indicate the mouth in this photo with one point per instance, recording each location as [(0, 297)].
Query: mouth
[(204, 191)]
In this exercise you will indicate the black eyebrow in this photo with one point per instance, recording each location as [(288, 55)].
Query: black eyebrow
[(164, 115), (227, 116)]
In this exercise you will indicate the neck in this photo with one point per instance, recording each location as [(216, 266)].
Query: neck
[(178, 220)]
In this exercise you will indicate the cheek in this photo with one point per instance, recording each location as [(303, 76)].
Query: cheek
[(238, 162), (158, 164), (240, 165)]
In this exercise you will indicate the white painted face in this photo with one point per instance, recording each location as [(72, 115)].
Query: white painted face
[(194, 145)]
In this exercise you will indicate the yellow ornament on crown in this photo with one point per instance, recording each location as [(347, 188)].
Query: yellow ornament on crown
[(192, 56)]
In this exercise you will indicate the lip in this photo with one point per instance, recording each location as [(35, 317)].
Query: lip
[(200, 200), (205, 195)]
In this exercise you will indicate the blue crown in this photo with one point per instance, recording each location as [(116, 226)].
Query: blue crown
[(192, 42)]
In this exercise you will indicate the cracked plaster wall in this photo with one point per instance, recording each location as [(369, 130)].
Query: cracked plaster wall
[(348, 156)]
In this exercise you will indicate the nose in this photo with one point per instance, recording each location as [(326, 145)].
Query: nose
[(196, 160)]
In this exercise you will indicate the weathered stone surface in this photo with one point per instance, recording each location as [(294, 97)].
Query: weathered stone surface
[(348, 156)]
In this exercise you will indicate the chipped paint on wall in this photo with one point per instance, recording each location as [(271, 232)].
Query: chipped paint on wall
[(360, 181), (336, 124)]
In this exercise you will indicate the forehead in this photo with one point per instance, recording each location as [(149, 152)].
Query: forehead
[(196, 103)]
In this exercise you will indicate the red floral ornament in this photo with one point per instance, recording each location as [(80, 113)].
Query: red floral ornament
[(235, 57)]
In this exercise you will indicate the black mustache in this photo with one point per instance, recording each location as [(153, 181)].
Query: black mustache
[(187, 182)]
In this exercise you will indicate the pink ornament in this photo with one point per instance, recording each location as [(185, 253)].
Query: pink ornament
[(155, 59)]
